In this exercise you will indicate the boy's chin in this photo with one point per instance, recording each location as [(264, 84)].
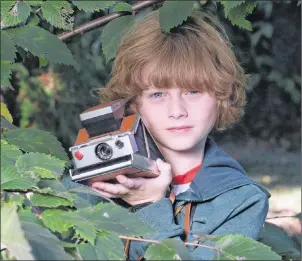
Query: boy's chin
[(182, 146)]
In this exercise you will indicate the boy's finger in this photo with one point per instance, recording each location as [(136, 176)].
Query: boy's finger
[(128, 182), (125, 181), (104, 194), (115, 189)]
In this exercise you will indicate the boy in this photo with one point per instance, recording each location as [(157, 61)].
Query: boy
[(183, 84)]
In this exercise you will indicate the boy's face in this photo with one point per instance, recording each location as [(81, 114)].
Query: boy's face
[(177, 119)]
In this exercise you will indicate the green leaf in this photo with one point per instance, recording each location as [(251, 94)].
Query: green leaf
[(35, 140), (107, 217), (60, 221), (92, 6), (41, 165), (9, 153), (26, 215), (33, 20), (83, 227), (45, 245), (12, 234), (5, 124), (58, 14), (15, 197), (174, 13), (237, 15), (5, 112), (43, 62), (108, 246), (43, 44), (49, 201), (238, 247), (280, 242), (11, 179), (6, 71), (14, 15), (87, 251), (34, 3), (122, 7), (52, 218), (228, 5), (169, 249), (120, 26), (85, 189), (8, 49), (49, 191), (52, 184)]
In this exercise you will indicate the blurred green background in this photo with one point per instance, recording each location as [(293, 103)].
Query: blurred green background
[(267, 141)]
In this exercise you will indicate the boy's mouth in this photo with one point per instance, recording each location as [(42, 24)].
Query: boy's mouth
[(180, 128)]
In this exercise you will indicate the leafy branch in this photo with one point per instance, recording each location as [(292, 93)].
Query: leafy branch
[(96, 23)]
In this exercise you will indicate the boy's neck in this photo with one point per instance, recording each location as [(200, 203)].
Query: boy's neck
[(181, 162)]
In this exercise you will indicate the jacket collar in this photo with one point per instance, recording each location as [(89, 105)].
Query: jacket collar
[(219, 173)]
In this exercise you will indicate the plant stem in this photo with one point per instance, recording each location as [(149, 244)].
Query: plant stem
[(96, 23), (157, 242)]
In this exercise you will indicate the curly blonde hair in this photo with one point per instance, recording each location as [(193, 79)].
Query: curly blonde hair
[(196, 55)]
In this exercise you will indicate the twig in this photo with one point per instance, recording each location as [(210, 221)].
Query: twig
[(158, 242), (96, 23), (282, 217), (186, 243)]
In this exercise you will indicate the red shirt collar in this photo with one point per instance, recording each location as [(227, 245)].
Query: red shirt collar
[(186, 177)]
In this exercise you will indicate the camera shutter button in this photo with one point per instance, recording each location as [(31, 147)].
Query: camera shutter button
[(119, 144), (78, 155)]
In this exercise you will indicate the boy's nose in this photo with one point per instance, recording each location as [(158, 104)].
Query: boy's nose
[(177, 109)]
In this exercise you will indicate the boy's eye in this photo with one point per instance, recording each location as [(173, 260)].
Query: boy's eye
[(193, 92), (156, 95)]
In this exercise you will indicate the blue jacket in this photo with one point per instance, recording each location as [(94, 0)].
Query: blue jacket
[(227, 202)]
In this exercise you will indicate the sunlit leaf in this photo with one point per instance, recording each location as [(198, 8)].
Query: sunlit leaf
[(15, 14), (5, 112), (35, 140), (49, 201), (106, 216), (42, 165), (238, 247), (58, 14), (92, 6), (122, 7), (228, 5), (108, 246), (12, 234), (12, 180), (238, 14), (169, 249)]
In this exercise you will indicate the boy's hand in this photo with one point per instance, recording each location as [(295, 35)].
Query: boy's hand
[(137, 190)]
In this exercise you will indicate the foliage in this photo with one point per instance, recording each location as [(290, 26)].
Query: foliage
[(269, 54), (45, 217), (51, 221), (60, 14)]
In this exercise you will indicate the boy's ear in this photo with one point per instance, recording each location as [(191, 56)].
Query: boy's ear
[(133, 107)]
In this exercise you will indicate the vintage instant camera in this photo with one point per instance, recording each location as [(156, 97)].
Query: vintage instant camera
[(113, 142)]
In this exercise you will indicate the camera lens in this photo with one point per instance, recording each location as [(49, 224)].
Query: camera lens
[(104, 151)]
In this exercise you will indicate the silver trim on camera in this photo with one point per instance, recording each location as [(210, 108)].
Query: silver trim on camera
[(134, 164)]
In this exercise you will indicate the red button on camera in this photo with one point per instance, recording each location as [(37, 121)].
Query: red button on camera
[(78, 155)]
